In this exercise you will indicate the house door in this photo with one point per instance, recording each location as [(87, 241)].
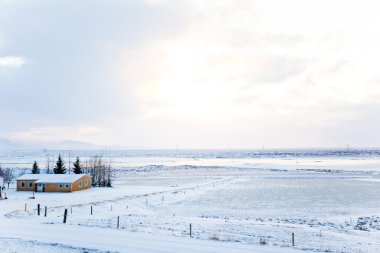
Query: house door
[(41, 187)]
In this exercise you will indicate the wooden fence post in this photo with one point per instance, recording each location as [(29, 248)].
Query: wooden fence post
[(293, 239), (65, 216), (45, 211), (118, 222), (38, 209), (91, 210), (190, 230)]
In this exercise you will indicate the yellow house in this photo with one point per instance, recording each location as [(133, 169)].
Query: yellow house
[(53, 182)]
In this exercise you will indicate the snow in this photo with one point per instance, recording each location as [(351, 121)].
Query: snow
[(51, 178), (12, 245), (328, 205), (121, 241), (27, 231)]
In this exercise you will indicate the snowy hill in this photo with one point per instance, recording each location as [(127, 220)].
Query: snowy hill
[(6, 144)]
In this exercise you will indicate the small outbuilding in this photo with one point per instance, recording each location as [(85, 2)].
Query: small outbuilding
[(53, 182)]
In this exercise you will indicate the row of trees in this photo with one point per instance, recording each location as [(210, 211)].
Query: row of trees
[(99, 169), (59, 167)]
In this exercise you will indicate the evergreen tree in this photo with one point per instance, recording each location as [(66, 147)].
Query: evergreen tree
[(77, 167), (59, 166), (35, 169)]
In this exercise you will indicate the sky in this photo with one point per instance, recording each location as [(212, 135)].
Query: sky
[(191, 73)]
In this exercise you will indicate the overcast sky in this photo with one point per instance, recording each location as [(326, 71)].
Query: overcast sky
[(191, 73)]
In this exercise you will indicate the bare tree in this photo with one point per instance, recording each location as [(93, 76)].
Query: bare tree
[(49, 164), (8, 175), (109, 175), (99, 170)]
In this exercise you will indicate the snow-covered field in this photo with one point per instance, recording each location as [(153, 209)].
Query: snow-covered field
[(233, 205)]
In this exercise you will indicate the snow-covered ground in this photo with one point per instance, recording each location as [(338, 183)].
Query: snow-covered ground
[(144, 225), (330, 206)]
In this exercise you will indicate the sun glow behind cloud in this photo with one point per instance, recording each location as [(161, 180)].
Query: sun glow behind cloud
[(280, 58)]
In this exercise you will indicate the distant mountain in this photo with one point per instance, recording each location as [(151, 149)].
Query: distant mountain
[(64, 145), (6, 144), (72, 144)]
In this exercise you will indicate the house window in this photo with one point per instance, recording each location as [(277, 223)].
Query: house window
[(22, 184), (80, 184), (85, 182), (67, 186), (30, 184), (60, 186)]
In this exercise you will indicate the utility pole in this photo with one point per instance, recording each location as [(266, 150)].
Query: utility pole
[(69, 162)]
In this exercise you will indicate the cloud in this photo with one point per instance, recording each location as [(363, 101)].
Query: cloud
[(278, 69), (74, 49), (12, 61), (158, 72)]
